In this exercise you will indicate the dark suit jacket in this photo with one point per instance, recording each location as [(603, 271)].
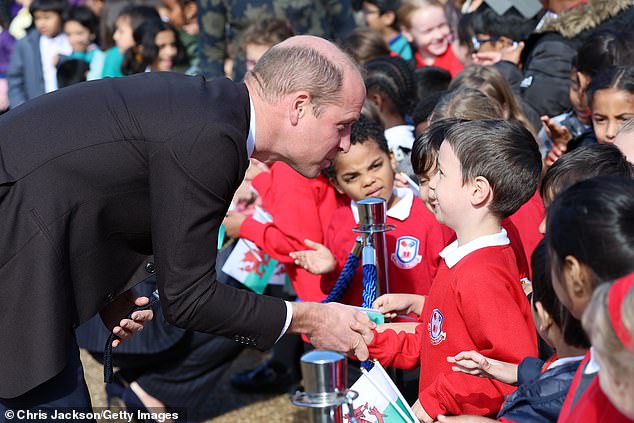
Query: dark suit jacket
[(96, 178)]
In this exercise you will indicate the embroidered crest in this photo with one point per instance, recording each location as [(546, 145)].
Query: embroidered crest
[(406, 255), (435, 327)]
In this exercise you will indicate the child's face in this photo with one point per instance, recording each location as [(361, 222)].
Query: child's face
[(166, 44), (78, 35), (123, 34), (48, 23), (577, 96), (610, 109), (372, 16), (429, 31), (364, 171), (448, 195), (253, 52), (625, 142), (423, 192)]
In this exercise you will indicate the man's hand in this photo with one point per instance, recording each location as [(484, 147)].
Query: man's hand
[(333, 326), (474, 363), (232, 223), (318, 260), (112, 314), (391, 305), (420, 413)]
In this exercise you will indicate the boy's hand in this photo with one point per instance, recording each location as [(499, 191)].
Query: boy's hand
[(559, 134), (391, 305), (318, 260), (420, 413), (474, 363), (232, 223)]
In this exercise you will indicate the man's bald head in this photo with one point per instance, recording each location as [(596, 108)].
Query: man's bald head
[(304, 63)]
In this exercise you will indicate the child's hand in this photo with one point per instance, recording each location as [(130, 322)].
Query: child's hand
[(317, 260), (232, 223), (559, 134), (420, 413), (392, 305), (474, 363)]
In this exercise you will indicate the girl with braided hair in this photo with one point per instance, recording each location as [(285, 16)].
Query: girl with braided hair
[(391, 86)]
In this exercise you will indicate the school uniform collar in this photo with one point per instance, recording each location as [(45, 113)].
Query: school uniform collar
[(592, 366), (251, 136), (565, 360), (453, 253), (400, 211)]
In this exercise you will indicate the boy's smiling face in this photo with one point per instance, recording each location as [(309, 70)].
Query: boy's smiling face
[(364, 171)]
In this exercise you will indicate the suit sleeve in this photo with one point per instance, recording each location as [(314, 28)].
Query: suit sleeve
[(499, 326), (191, 184)]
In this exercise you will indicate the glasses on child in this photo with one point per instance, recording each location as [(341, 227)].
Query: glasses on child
[(476, 43)]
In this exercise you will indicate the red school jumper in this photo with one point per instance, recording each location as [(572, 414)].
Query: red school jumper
[(476, 304), (447, 61), (412, 248), (301, 208)]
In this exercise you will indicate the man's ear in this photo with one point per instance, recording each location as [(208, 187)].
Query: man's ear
[(481, 191), (298, 106)]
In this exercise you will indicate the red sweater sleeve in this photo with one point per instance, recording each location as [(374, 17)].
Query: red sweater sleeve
[(499, 322), (295, 202), (400, 350)]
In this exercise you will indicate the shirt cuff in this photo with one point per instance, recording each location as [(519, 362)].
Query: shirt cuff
[(289, 317)]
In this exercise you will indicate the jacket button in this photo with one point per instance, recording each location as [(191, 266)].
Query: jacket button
[(149, 267)]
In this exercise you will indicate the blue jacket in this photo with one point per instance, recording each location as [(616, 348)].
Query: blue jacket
[(539, 396), (25, 75)]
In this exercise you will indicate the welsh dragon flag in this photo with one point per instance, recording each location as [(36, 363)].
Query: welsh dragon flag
[(379, 400)]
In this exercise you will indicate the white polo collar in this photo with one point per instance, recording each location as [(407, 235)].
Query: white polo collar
[(399, 211), (251, 136), (452, 253)]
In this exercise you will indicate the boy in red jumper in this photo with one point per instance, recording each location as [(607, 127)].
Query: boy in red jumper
[(486, 170), (366, 171)]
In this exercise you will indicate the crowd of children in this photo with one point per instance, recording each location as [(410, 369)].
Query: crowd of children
[(497, 138)]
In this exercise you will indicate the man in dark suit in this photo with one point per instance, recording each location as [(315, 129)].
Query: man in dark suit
[(106, 182)]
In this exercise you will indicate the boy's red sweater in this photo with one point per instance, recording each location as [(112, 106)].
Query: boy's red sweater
[(410, 270), (478, 305), (301, 208)]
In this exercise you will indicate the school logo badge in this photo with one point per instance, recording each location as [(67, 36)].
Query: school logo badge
[(406, 255), (435, 327)]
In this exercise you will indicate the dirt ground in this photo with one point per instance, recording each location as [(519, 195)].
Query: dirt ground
[(232, 405)]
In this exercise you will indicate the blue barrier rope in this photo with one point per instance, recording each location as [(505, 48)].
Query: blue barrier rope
[(369, 295), (349, 269)]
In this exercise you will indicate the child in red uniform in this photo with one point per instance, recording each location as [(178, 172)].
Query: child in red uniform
[(486, 170), (413, 247)]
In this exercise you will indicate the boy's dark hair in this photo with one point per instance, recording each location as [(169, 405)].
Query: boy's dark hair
[(139, 14), (465, 30), (512, 24), (84, 16), (544, 293), (425, 107), (58, 6), (388, 6), (267, 32), (425, 148), (603, 49), (503, 152), (365, 44), (362, 131), (582, 163), (394, 77), (593, 221), (71, 71), (620, 78), (430, 80), (143, 54)]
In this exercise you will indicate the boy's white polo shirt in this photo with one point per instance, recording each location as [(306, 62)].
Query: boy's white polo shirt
[(453, 253)]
